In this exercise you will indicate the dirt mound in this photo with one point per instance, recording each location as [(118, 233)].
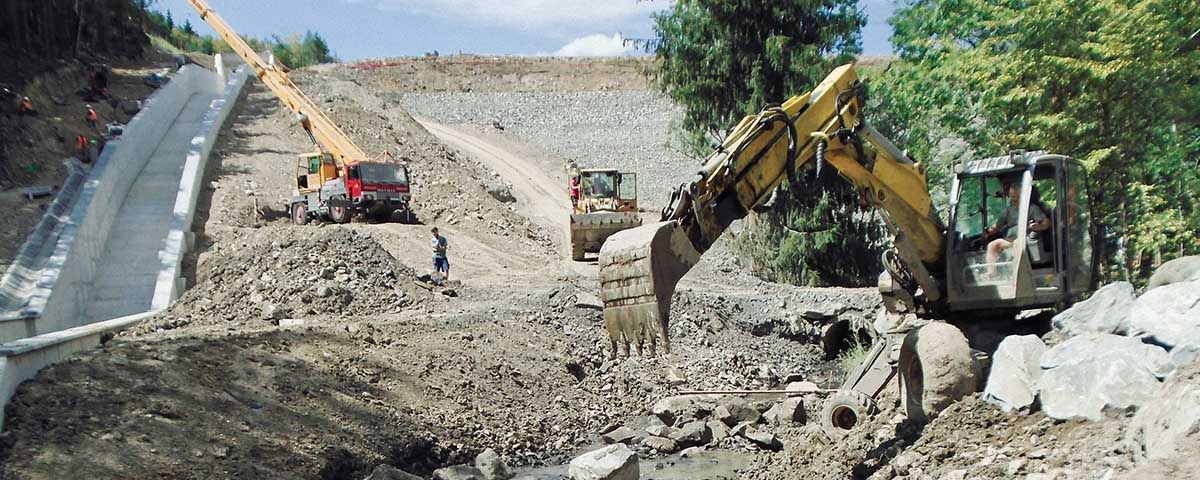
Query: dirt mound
[(276, 273)]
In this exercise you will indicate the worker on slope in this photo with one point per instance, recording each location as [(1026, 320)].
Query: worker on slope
[(440, 263), (91, 116), (26, 107)]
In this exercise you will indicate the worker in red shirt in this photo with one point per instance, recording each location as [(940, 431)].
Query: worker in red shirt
[(26, 107), (574, 189), (91, 116)]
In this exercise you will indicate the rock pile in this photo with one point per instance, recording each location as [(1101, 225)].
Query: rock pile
[(681, 422), (273, 275), (1122, 353)]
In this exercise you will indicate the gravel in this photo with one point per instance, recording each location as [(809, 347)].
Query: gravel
[(631, 130)]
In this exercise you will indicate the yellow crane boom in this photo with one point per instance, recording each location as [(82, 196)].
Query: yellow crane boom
[(324, 132)]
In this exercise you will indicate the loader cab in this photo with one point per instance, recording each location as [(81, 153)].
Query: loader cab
[(607, 189), (313, 170), (1001, 255)]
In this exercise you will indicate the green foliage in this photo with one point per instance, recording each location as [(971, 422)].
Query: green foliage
[(724, 60), (294, 50), (297, 51), (851, 358), (1103, 81)]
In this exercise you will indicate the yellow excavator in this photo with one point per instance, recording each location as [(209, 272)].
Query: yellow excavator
[(1018, 240), (338, 179)]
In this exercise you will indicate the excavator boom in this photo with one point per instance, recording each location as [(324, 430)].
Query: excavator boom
[(323, 130), (640, 267)]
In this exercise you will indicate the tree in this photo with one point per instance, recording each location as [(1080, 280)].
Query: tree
[(723, 60)]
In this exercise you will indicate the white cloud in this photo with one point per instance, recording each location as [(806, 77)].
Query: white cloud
[(598, 45), (528, 13)]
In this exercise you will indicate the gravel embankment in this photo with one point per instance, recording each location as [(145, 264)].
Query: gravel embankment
[(631, 130)]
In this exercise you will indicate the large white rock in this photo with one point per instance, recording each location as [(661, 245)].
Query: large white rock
[(492, 466), (1016, 369), (1106, 311), (1170, 420), (1169, 315), (1086, 374), (1182, 269), (614, 462)]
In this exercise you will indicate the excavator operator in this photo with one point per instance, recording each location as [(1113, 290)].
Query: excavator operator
[(1006, 225)]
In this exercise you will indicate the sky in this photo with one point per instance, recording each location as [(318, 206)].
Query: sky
[(361, 29)]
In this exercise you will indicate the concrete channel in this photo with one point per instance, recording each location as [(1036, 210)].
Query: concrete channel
[(111, 254)]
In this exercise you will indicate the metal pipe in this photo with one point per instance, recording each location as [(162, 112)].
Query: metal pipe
[(881, 142)]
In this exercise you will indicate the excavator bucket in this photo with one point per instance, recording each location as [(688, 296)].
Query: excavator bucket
[(639, 268)]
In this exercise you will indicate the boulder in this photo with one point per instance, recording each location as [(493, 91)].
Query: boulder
[(719, 431), (663, 445), (1182, 269), (458, 472), (1086, 374), (1169, 315), (1170, 420), (588, 300), (388, 472), (614, 462), (823, 311), (802, 387), (790, 410), (1106, 311), (736, 411), (660, 430), (501, 192), (620, 435), (765, 440), (692, 434), (680, 409), (492, 466), (1015, 373)]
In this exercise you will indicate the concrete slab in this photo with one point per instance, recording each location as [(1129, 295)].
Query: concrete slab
[(128, 269)]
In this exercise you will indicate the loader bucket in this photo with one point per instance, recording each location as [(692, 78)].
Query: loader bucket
[(639, 268), (590, 230)]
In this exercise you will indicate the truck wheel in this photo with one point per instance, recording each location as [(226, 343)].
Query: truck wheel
[(299, 213), (577, 252), (844, 410), (936, 369), (339, 214)]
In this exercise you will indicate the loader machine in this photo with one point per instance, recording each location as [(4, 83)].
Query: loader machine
[(935, 274), (607, 204)]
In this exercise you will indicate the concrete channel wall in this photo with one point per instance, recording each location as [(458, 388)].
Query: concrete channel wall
[(170, 282), (53, 323)]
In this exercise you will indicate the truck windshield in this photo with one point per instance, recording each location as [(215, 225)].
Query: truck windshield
[(383, 173)]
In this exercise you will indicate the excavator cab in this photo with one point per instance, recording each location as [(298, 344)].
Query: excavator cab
[(1019, 233)]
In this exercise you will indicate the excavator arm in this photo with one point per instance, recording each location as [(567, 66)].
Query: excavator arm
[(640, 267), (321, 129)]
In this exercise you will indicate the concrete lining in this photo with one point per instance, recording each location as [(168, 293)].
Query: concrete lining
[(20, 282), (163, 153), (169, 283), (22, 359)]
